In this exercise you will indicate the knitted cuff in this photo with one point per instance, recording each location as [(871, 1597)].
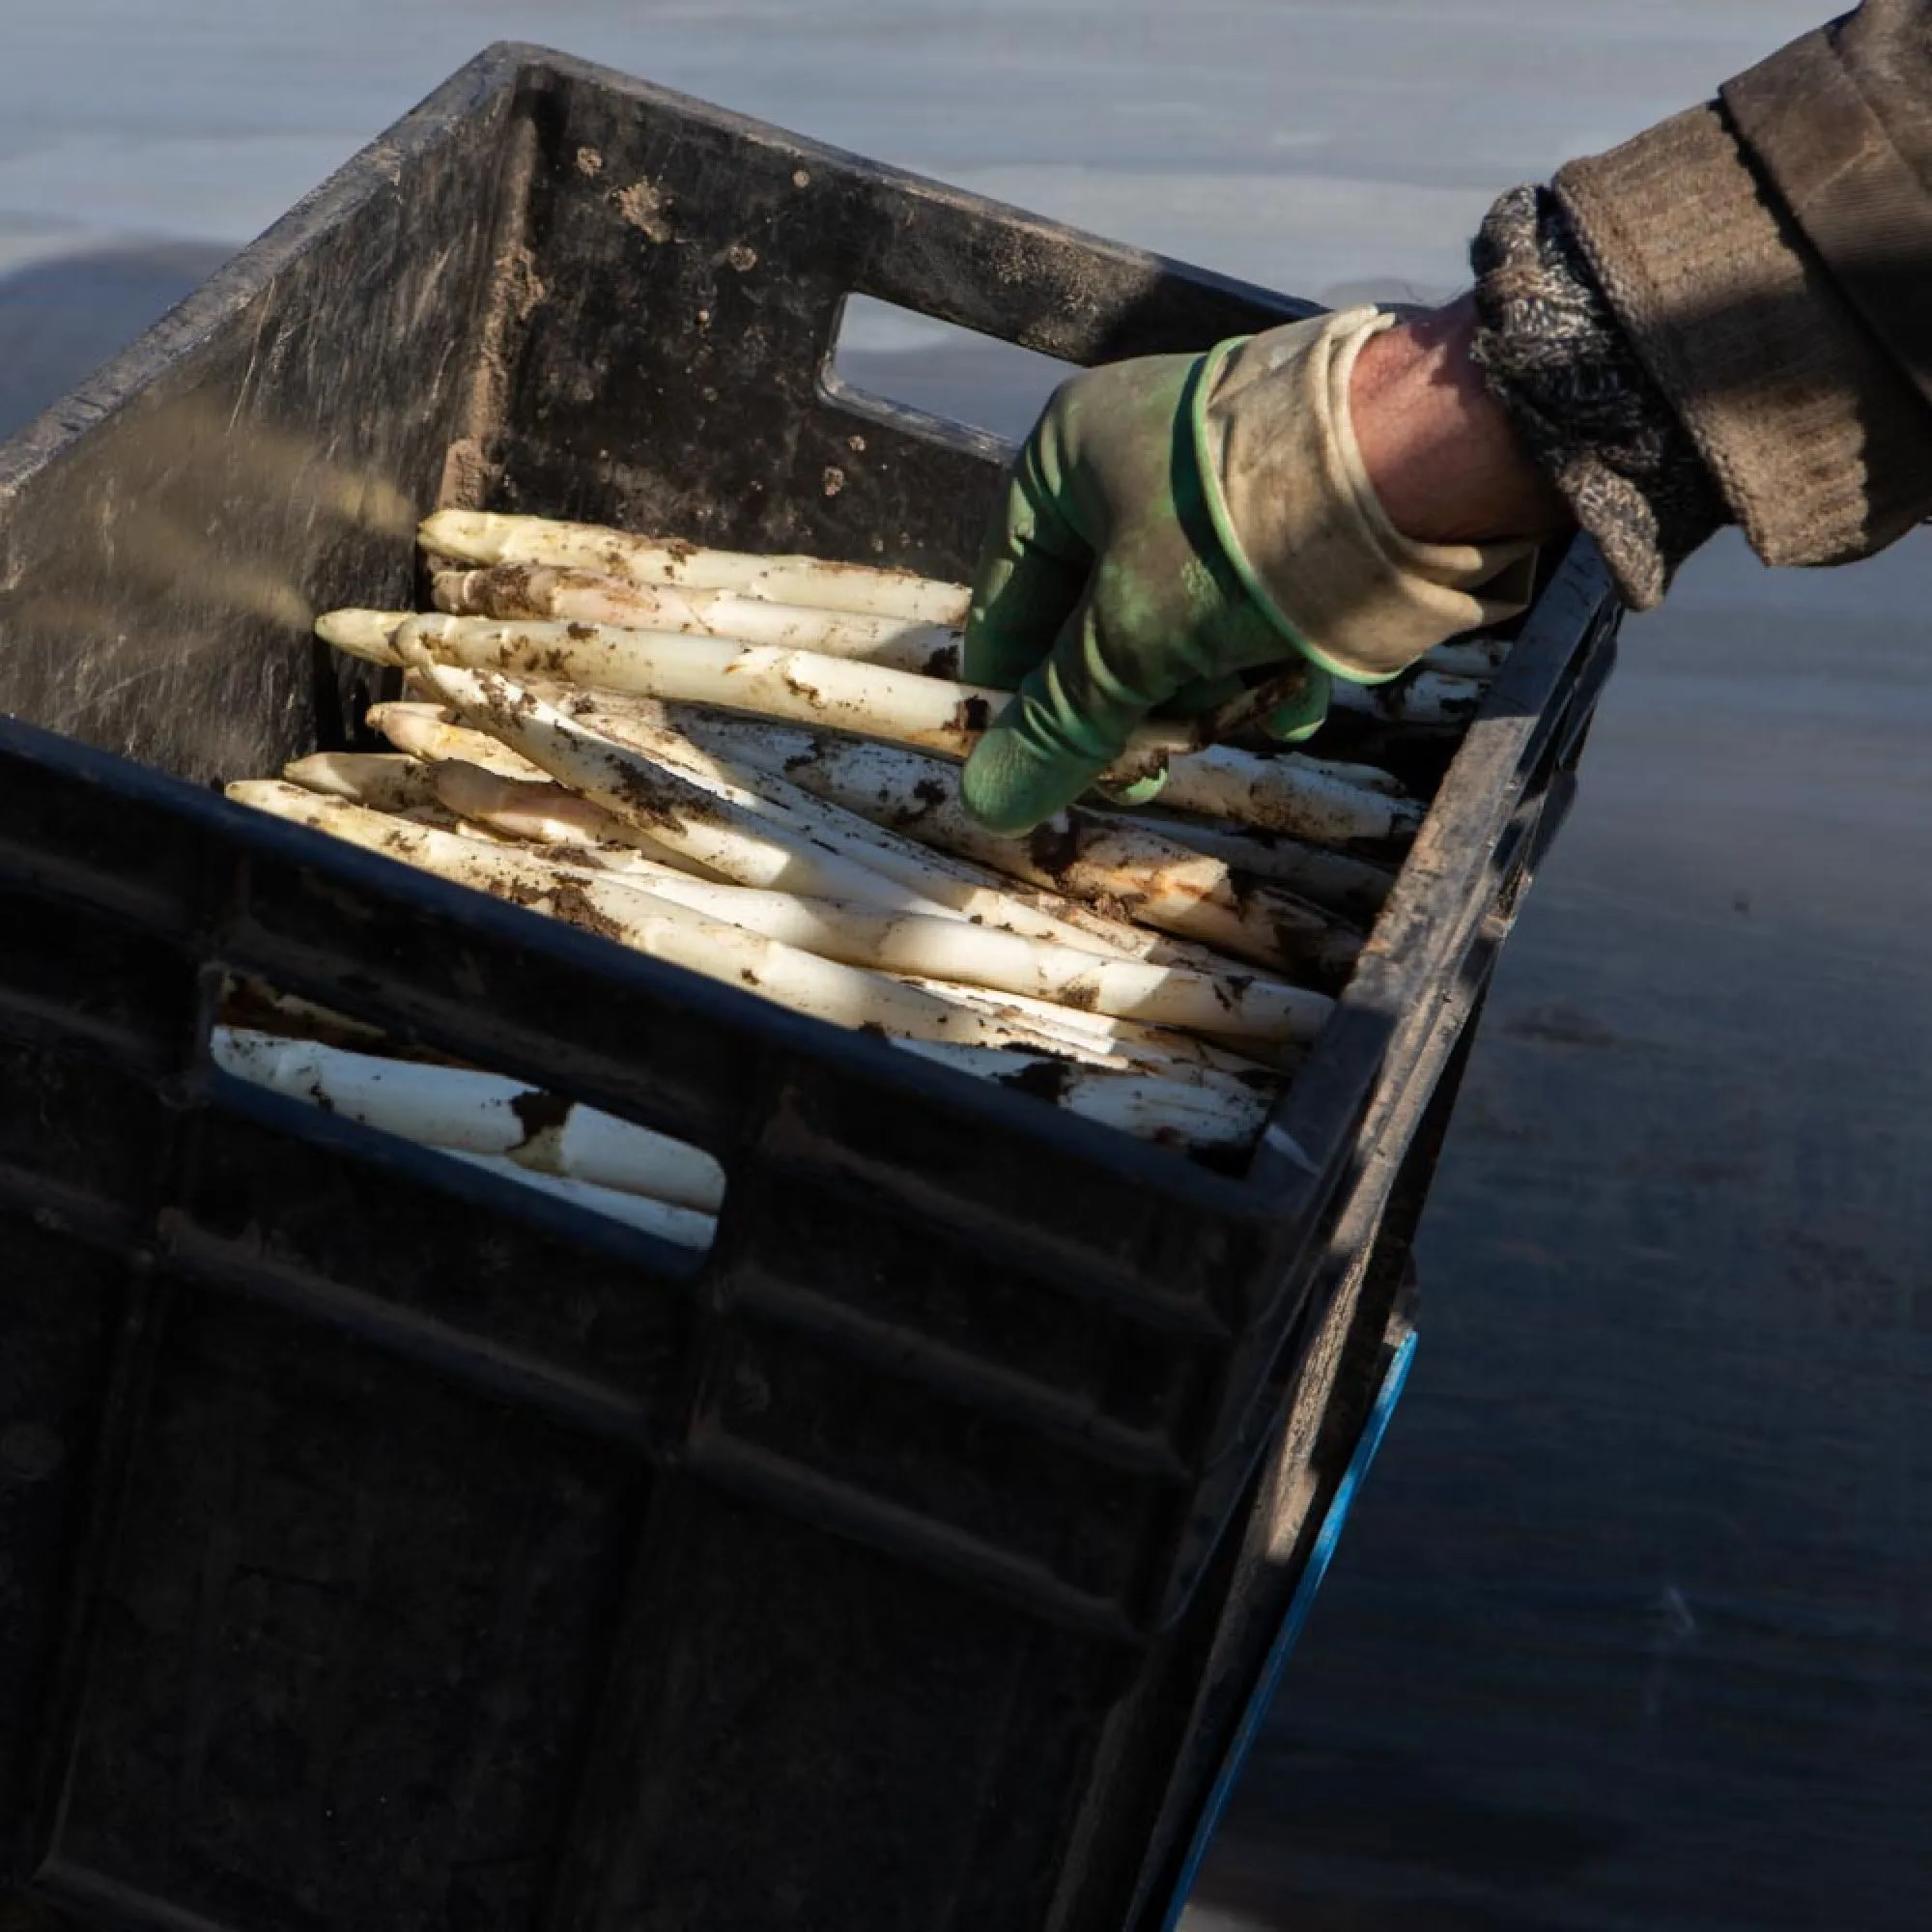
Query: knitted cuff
[(1593, 421)]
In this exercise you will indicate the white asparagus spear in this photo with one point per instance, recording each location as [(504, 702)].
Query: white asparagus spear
[(617, 909), (680, 1226), (514, 592), (1099, 1039), (384, 781), (701, 741), (1467, 657), (1275, 795), (669, 733), (1365, 778), (544, 812), (846, 693), (806, 687), (1239, 1004), (1427, 699), (1160, 1049), (622, 909), (1134, 1104), (550, 815), (1305, 797), (1352, 887), (967, 890), (899, 706), (736, 837), (1114, 859), (1065, 991), (522, 592), (541, 592), (1178, 1103), (475, 536), (480, 1113), (592, 753), (428, 731), (519, 590), (370, 635)]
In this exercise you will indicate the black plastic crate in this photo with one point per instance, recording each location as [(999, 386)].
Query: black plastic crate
[(377, 1552)]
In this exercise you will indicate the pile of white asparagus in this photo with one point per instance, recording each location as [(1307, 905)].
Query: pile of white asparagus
[(749, 766)]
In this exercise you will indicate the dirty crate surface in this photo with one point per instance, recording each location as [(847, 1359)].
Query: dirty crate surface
[(377, 1553)]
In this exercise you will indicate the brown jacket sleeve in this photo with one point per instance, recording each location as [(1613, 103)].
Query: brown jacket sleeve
[(1770, 256)]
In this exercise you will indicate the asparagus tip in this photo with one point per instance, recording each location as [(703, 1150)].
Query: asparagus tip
[(456, 533), (363, 634)]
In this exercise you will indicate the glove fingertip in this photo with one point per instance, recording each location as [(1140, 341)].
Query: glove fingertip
[(1009, 786), (1304, 715), (1142, 790)]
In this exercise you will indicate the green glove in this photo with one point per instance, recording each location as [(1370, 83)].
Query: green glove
[(1175, 522), (1103, 593)]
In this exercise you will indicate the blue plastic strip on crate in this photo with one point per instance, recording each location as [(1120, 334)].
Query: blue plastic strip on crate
[(1318, 1560)]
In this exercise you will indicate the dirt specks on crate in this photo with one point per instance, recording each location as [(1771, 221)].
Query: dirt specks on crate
[(589, 162), (742, 256), (642, 205), (523, 288), (466, 474), (835, 479), (856, 444), (801, 177)]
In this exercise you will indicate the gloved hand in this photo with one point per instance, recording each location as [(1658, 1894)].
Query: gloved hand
[(1176, 520)]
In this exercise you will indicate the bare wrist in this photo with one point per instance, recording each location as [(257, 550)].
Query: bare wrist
[(1445, 462)]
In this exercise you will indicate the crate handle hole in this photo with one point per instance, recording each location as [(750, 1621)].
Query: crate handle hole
[(896, 358)]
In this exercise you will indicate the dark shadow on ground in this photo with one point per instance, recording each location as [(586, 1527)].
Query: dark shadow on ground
[(60, 320)]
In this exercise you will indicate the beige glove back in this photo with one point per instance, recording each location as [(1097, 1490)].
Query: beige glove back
[(1175, 522)]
